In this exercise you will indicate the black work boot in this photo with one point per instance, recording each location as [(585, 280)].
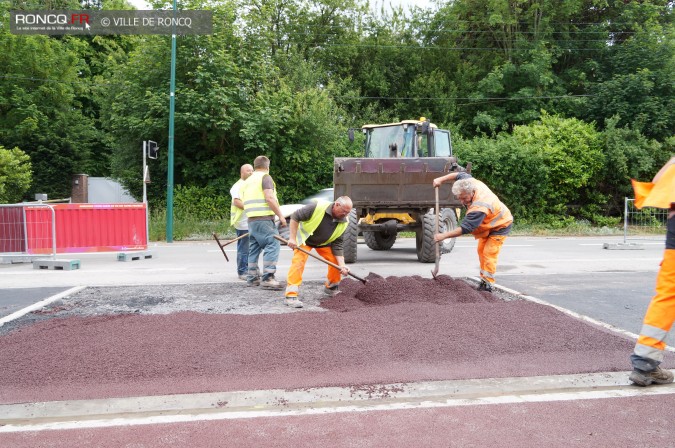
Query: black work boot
[(656, 376), (485, 286), (330, 290)]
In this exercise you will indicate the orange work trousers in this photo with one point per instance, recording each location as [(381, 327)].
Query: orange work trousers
[(294, 279), (659, 317), (488, 252)]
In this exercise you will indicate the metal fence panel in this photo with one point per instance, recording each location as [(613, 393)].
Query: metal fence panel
[(27, 230), (39, 230), (100, 227), (646, 224)]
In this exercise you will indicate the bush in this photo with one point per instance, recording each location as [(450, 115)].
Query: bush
[(197, 213), (15, 175), (628, 154), (510, 170), (542, 170), (200, 204)]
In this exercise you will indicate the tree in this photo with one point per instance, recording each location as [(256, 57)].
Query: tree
[(628, 155), (49, 99), (640, 91), (215, 77), (15, 175), (39, 110)]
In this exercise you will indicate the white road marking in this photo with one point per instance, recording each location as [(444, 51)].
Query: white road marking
[(40, 304), (132, 411), (558, 260), (508, 274), (641, 242), (90, 271)]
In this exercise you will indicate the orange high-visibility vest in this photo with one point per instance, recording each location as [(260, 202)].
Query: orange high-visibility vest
[(497, 215)]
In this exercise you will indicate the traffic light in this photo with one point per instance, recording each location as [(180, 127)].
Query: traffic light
[(153, 149)]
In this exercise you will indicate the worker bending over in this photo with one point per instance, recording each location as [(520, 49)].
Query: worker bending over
[(487, 218), (660, 315), (318, 226)]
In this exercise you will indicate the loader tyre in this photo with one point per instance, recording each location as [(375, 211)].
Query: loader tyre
[(350, 238), (447, 222), (379, 240), (424, 239)]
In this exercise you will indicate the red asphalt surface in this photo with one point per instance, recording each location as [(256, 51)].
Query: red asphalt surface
[(412, 329), (611, 423)]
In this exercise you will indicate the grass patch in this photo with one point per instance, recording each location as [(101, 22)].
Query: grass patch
[(188, 229)]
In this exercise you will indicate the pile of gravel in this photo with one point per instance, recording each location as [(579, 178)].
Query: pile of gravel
[(380, 291)]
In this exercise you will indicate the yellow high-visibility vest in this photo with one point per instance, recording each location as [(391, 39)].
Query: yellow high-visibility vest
[(236, 212), (253, 196), (307, 228)]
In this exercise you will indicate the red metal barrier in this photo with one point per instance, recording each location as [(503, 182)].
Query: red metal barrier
[(89, 228), (12, 237)]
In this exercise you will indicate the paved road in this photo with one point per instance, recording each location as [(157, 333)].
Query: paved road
[(15, 299), (612, 286), (574, 273)]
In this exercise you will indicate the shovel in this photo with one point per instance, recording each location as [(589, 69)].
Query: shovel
[(363, 280), (438, 245), (226, 243)]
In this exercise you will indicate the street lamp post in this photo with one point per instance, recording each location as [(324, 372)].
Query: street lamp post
[(169, 175)]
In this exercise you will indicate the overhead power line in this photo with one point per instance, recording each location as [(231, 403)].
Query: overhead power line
[(451, 98), (433, 47)]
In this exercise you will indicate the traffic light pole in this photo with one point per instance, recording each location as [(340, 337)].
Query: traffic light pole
[(145, 194)]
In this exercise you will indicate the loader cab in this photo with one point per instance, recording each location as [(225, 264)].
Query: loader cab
[(409, 138)]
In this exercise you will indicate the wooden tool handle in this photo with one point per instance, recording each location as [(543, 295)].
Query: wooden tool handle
[(329, 263), (438, 244), (231, 241), (221, 246)]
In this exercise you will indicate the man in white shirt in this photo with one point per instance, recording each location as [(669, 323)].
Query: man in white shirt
[(239, 221)]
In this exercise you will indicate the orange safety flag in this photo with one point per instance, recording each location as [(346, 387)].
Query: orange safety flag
[(660, 194)]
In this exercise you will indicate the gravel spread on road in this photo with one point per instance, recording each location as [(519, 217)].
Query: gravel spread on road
[(155, 339)]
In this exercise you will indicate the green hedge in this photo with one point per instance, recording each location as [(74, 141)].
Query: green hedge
[(546, 172)]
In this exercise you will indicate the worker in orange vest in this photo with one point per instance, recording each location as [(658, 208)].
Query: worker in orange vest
[(660, 315), (487, 218)]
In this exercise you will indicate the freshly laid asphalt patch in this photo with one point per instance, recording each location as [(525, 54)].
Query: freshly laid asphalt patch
[(108, 342)]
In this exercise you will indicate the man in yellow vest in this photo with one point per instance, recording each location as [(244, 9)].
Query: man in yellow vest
[(260, 204), (239, 221), (487, 218), (660, 315), (318, 226)]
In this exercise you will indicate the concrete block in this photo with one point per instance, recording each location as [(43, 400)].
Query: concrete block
[(57, 265), (131, 256), (623, 246), (15, 260)]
